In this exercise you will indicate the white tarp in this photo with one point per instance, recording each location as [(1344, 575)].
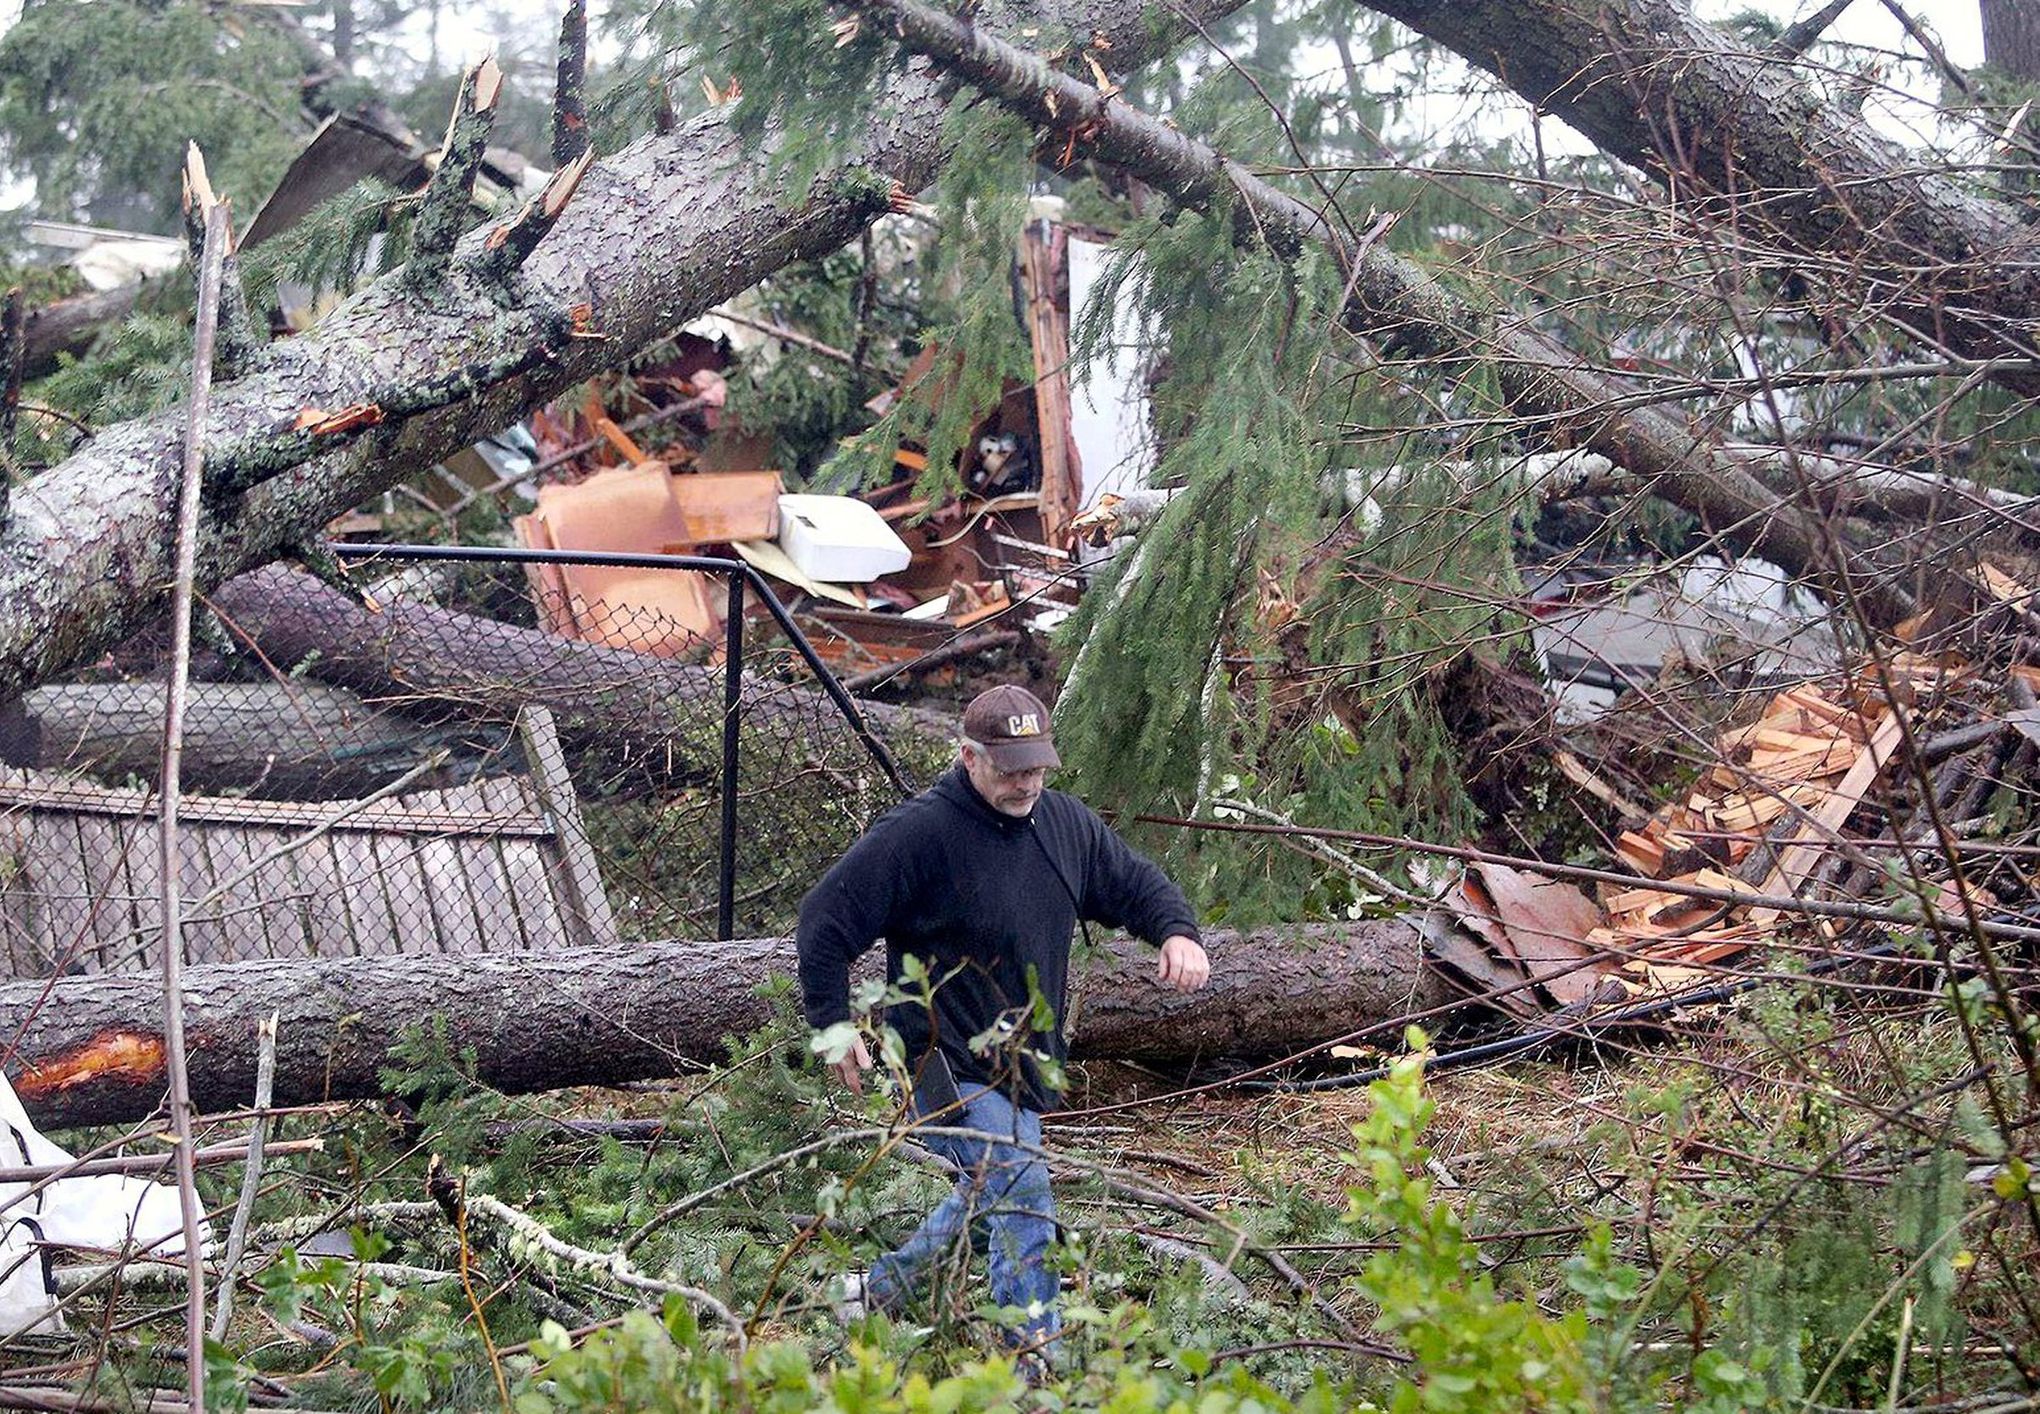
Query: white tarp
[(109, 1212)]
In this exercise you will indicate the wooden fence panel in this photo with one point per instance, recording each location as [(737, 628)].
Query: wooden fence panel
[(480, 867)]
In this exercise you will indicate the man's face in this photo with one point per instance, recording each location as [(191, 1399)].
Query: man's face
[(1008, 792)]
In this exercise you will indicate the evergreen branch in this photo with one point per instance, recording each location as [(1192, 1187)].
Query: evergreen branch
[(238, 344), (570, 138), (1407, 312), (442, 215), (523, 1231)]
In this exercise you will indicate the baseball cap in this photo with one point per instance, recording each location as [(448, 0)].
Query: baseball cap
[(1012, 726)]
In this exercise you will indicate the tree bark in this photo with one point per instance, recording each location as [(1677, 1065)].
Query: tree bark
[(86, 1050), (1752, 138), (657, 234), (663, 712), (276, 740), (2011, 37)]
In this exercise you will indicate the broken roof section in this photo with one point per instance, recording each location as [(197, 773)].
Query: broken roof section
[(884, 577)]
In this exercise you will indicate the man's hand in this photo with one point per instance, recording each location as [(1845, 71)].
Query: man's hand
[(1184, 965), (850, 1070)]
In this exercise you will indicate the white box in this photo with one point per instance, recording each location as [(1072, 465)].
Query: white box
[(839, 538)]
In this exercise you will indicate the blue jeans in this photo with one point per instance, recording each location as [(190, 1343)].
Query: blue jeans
[(1002, 1190)]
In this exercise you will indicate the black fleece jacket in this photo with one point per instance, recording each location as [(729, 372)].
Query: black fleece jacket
[(980, 897)]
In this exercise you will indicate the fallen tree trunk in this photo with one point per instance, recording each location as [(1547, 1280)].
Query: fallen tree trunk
[(1412, 316), (1750, 136), (87, 1050), (650, 708), (279, 740), (70, 326)]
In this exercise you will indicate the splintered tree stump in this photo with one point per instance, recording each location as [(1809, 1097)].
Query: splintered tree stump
[(87, 1050)]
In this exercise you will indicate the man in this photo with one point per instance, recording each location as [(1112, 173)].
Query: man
[(984, 877)]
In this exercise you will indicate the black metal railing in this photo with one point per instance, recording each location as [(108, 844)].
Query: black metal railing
[(738, 578)]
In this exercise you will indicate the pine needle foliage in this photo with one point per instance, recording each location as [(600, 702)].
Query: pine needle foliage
[(980, 351), (1175, 698), (345, 242), (99, 97), (145, 368), (801, 86)]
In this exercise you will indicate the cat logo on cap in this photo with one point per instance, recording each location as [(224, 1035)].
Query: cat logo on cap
[(1024, 724)]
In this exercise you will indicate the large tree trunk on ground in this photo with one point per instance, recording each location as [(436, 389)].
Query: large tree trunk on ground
[(657, 710), (1652, 85), (283, 740), (87, 1050), (656, 234)]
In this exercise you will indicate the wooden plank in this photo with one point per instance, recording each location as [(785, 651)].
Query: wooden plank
[(236, 903), (286, 892), (99, 856), (1642, 853), (22, 920), (492, 895), (490, 883), (720, 506), (263, 883), (538, 909), (324, 910), (372, 922), (419, 813), (143, 860), (460, 930), (409, 893), (585, 898), (205, 932), (1797, 860), (60, 879), (523, 863)]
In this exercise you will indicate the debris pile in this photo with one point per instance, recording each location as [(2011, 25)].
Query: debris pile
[(1819, 795)]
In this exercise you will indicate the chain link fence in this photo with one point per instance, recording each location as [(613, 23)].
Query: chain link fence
[(451, 750)]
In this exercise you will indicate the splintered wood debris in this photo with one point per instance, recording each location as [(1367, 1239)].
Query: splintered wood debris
[(1809, 786)]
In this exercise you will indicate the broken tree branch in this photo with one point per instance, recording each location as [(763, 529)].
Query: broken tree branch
[(1798, 38), (1651, 84), (570, 140), (444, 211), (251, 1176), (511, 244), (237, 343), (170, 859)]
